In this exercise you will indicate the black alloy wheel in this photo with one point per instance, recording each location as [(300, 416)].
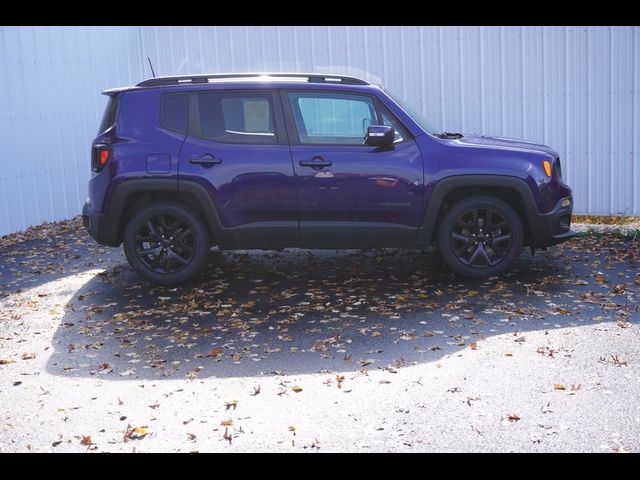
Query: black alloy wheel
[(166, 242), (480, 237)]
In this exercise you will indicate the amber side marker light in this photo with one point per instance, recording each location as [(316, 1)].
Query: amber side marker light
[(547, 167)]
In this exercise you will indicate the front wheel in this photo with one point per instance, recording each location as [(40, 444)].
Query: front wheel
[(166, 243), (480, 237)]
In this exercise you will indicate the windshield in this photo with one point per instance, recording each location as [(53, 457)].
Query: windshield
[(415, 115)]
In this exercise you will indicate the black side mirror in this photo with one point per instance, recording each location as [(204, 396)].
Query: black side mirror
[(380, 136)]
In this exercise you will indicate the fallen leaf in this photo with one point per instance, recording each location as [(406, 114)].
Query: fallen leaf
[(473, 346), (227, 435), (599, 277), (256, 391), (558, 386), (28, 356), (508, 354), (513, 417), (135, 433), (427, 333), (86, 440), (154, 406), (580, 282), (227, 422), (619, 288), (140, 432), (191, 437), (376, 334), (296, 388), (292, 428), (215, 353), (231, 403), (6, 362)]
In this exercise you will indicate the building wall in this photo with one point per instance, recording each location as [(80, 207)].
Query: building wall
[(576, 89)]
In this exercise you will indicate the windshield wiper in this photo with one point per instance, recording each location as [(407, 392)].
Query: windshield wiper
[(449, 135)]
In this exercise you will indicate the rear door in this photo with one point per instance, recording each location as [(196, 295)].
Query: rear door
[(351, 194), (236, 147)]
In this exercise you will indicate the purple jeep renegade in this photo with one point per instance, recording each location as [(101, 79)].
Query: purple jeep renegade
[(269, 161)]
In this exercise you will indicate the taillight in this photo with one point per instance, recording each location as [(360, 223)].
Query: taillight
[(104, 157), (100, 156)]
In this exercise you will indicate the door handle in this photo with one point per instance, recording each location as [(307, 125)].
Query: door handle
[(316, 162), (206, 160)]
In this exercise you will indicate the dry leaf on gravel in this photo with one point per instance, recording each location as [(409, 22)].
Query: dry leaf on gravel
[(231, 403)]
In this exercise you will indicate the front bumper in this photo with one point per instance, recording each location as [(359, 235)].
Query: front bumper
[(553, 227), (103, 227)]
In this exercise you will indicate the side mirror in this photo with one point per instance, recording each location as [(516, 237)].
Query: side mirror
[(380, 136)]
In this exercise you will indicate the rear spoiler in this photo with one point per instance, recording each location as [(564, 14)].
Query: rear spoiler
[(112, 92)]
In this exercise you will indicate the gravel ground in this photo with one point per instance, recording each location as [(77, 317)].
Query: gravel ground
[(382, 350), (629, 230)]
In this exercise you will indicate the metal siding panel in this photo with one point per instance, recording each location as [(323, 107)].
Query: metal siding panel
[(45, 136)]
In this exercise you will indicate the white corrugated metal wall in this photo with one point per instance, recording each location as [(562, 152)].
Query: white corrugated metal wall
[(576, 89)]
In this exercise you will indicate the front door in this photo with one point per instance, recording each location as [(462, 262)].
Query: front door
[(351, 194), (236, 148)]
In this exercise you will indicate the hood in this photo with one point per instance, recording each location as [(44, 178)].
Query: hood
[(506, 143)]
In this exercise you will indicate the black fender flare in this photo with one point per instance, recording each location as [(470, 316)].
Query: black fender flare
[(426, 233), (128, 188)]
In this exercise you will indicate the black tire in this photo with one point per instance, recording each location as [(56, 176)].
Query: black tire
[(176, 257), (480, 244)]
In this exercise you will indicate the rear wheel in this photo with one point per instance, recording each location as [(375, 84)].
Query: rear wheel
[(480, 237), (166, 243)]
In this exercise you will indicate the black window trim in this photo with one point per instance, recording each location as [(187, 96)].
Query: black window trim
[(193, 124), (292, 130), (115, 99)]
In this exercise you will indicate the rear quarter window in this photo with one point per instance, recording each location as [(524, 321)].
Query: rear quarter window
[(173, 112)]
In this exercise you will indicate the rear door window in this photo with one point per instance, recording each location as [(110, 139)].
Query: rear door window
[(235, 117)]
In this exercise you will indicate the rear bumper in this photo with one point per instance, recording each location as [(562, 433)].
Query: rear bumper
[(553, 227), (103, 227)]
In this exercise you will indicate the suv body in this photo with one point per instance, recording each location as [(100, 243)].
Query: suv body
[(314, 161)]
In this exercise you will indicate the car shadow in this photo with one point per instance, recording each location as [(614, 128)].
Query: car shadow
[(302, 311)]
